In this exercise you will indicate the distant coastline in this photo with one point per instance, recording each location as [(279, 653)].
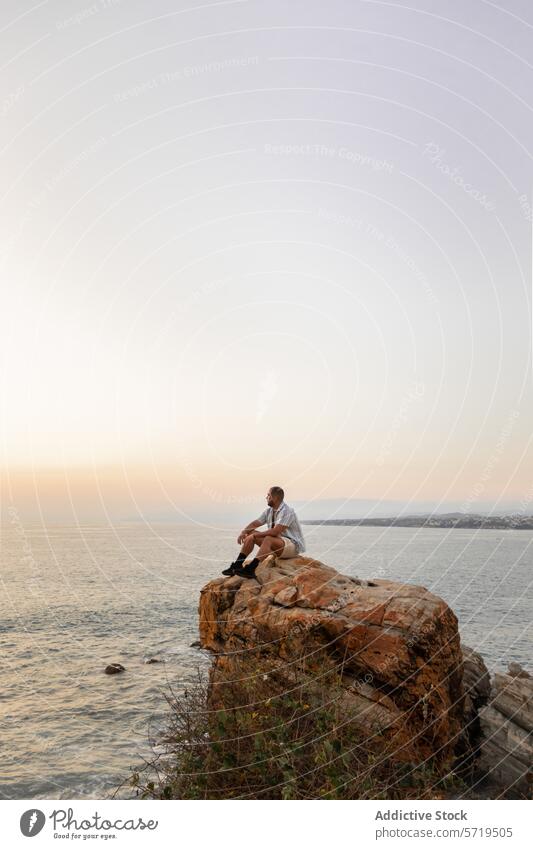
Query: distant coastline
[(443, 520)]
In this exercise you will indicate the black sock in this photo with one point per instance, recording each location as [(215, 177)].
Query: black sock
[(253, 563), (240, 559)]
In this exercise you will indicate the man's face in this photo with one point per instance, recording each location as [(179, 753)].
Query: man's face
[(270, 499)]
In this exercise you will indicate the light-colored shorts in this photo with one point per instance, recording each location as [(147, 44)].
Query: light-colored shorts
[(289, 549)]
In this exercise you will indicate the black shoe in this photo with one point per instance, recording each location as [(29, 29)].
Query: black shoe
[(230, 570), (245, 571)]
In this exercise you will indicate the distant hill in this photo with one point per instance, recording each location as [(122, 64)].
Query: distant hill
[(364, 508), (437, 520)]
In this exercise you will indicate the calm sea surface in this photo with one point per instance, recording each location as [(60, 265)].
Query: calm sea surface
[(73, 600)]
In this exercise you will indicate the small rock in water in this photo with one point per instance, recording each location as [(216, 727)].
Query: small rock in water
[(153, 660), (113, 668), (196, 645), (517, 671)]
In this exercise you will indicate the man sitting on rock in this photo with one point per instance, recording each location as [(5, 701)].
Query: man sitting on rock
[(283, 537)]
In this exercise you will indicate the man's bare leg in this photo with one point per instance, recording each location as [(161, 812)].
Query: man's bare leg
[(247, 547), (269, 545)]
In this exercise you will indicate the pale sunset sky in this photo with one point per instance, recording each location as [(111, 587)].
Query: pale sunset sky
[(248, 243)]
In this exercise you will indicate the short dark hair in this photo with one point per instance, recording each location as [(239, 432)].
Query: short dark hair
[(277, 490)]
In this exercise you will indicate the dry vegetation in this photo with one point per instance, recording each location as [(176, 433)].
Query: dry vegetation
[(282, 733)]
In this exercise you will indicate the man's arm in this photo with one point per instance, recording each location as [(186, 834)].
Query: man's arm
[(252, 526), (276, 531)]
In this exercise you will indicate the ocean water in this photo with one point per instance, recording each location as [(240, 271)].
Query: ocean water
[(75, 599)]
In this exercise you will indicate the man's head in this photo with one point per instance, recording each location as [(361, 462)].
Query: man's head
[(275, 496)]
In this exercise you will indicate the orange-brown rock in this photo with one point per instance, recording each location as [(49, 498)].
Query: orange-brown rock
[(398, 645)]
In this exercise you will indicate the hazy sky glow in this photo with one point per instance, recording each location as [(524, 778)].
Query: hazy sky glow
[(248, 243)]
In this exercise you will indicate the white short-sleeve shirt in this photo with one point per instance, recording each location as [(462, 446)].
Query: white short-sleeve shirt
[(284, 515)]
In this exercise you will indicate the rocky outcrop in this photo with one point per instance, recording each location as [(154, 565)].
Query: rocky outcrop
[(506, 745), (397, 644), (498, 721)]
